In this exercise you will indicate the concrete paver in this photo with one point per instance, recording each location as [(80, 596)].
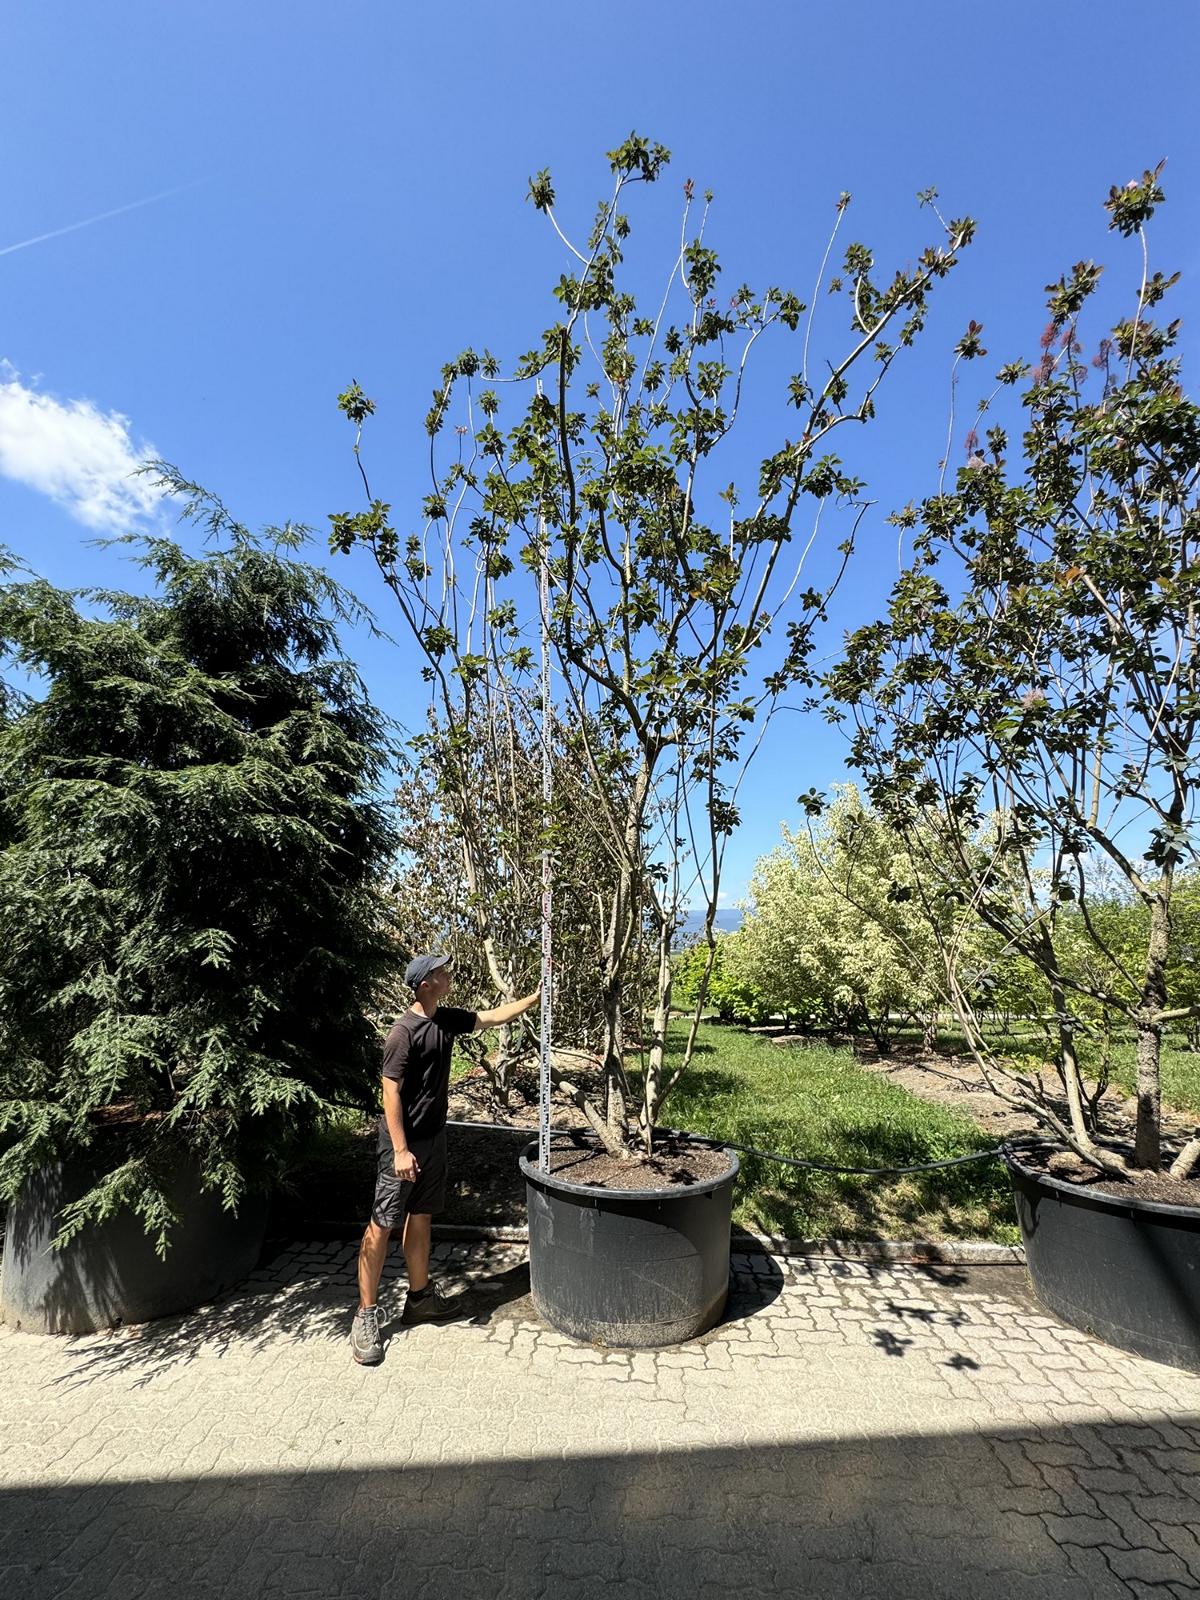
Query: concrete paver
[(851, 1430)]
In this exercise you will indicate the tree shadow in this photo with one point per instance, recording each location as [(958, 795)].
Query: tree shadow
[(305, 1294), (758, 1279), (933, 1512), (894, 1338), (302, 1294)]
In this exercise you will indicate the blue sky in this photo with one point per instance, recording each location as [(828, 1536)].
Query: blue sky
[(345, 198)]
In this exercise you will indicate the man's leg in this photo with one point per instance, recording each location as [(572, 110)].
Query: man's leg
[(418, 1236), (426, 1302), (391, 1194), (372, 1254), (366, 1340)]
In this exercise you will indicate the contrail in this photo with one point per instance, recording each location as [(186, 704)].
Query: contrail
[(73, 227)]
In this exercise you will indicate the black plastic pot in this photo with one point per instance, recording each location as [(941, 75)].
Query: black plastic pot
[(1124, 1269), (109, 1273), (633, 1268)]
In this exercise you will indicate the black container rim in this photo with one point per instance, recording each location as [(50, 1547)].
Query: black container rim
[(551, 1180), (1099, 1197)]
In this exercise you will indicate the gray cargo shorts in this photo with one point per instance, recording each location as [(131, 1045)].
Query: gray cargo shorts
[(394, 1199)]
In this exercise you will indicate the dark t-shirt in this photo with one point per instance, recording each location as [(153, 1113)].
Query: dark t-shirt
[(416, 1055)]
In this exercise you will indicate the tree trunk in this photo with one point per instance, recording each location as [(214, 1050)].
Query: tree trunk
[(658, 1041), (617, 944), (499, 1068), (613, 1042), (502, 1066), (1147, 1149), (1069, 1060), (615, 1110)]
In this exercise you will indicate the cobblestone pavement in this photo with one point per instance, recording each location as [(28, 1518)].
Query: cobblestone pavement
[(851, 1431)]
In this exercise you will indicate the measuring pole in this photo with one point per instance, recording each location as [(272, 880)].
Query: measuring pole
[(547, 876)]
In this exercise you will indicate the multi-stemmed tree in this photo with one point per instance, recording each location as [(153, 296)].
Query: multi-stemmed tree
[(1031, 701), (486, 913), (607, 455)]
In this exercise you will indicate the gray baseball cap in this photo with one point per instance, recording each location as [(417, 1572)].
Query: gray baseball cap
[(422, 967)]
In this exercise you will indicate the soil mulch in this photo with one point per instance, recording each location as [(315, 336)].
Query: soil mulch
[(1157, 1187), (675, 1164)]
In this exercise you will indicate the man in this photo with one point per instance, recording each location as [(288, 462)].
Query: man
[(411, 1180)]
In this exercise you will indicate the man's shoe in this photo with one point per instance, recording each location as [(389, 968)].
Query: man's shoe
[(434, 1306), (366, 1343)]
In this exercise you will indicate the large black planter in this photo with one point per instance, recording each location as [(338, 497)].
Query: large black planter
[(637, 1268), (1124, 1269), (109, 1273)]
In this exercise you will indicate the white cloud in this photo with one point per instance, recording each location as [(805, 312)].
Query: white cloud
[(83, 458)]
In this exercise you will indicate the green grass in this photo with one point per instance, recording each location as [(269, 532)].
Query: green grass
[(813, 1100), (1180, 1072)]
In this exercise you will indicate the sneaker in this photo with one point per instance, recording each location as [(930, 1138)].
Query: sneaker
[(366, 1343), (434, 1306)]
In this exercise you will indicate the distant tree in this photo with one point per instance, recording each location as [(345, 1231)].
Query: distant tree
[(732, 993), (833, 932)]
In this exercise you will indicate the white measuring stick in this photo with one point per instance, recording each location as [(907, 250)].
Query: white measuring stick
[(547, 877)]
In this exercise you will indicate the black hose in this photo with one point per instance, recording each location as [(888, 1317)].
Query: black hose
[(996, 1154)]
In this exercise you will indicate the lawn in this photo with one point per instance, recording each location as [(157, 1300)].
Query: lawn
[(813, 1100)]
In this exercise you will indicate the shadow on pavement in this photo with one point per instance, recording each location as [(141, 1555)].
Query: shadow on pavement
[(303, 1295), (939, 1516)]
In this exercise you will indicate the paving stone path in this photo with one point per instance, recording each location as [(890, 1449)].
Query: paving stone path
[(851, 1430)]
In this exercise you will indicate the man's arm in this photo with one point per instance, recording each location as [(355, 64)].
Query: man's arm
[(499, 1015), (406, 1167)]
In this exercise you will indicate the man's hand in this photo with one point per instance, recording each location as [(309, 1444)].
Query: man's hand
[(499, 1015), (407, 1166)]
